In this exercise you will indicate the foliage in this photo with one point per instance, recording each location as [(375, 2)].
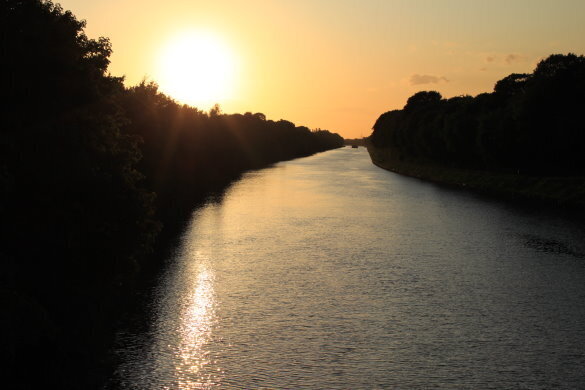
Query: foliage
[(531, 123), (75, 220), (87, 169), (188, 152)]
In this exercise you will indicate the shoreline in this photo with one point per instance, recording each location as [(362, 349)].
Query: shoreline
[(561, 192)]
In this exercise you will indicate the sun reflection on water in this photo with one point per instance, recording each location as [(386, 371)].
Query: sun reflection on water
[(197, 319)]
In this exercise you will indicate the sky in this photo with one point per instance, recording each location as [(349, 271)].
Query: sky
[(337, 64)]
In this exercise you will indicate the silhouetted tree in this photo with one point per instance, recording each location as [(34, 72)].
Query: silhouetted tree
[(511, 85), (422, 99), (215, 110), (74, 219), (530, 123), (188, 153), (84, 165)]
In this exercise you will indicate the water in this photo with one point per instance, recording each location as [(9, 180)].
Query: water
[(330, 273)]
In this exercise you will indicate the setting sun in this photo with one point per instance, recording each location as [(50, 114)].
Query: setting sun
[(198, 69)]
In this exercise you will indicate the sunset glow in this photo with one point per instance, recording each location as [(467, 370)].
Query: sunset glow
[(332, 64), (289, 194), (197, 69)]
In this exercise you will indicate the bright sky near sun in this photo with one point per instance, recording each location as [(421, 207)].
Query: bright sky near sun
[(332, 64)]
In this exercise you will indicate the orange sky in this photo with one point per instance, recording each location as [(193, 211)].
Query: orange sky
[(339, 64)]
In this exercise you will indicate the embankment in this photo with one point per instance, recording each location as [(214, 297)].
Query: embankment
[(565, 192)]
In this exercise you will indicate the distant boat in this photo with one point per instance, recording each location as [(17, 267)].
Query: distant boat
[(354, 146)]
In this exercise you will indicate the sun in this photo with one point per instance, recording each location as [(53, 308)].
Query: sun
[(197, 69)]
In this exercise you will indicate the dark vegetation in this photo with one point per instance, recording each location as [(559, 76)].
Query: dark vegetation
[(187, 152), (90, 173), (530, 127)]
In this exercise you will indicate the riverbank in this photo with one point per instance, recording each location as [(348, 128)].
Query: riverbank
[(565, 192)]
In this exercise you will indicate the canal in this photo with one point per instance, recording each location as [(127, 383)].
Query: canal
[(327, 272)]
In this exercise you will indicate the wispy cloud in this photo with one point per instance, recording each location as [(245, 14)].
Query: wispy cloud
[(418, 79), (508, 59), (512, 58)]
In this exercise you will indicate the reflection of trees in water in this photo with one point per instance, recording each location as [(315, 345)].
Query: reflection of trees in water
[(551, 246)]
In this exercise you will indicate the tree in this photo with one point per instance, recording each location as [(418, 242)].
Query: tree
[(74, 219), (422, 99), (556, 64), (531, 122), (511, 85), (215, 110)]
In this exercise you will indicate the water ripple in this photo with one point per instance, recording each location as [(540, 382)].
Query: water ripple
[(334, 274)]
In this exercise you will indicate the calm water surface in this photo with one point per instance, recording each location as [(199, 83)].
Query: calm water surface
[(330, 273)]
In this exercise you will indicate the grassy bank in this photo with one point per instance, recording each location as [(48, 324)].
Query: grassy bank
[(565, 192)]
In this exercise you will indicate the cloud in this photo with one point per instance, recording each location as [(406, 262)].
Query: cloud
[(507, 59), (417, 79), (511, 58)]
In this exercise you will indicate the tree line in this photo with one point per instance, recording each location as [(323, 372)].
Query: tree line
[(187, 152), (90, 172), (530, 124)]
